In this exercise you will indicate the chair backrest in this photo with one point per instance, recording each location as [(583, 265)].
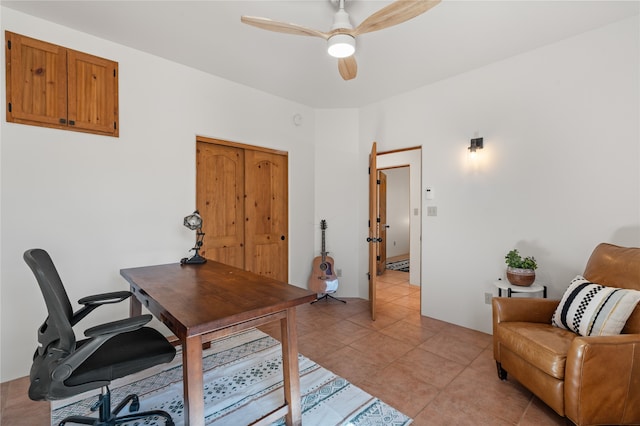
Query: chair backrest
[(57, 331), (58, 325), (616, 266)]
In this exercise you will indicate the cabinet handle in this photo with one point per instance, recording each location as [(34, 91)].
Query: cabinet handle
[(63, 121), (72, 123)]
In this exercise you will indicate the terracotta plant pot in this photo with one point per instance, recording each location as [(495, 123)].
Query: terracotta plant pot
[(521, 277)]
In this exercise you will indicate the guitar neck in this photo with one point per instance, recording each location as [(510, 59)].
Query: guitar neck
[(323, 252)]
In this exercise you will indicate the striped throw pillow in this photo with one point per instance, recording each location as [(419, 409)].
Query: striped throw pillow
[(591, 309)]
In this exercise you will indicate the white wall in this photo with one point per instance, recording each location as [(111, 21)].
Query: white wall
[(336, 190), (99, 204), (559, 172)]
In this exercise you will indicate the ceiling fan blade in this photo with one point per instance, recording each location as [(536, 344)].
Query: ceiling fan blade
[(348, 67), (394, 14), (282, 27)]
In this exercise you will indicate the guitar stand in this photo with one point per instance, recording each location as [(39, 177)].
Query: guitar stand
[(326, 297)]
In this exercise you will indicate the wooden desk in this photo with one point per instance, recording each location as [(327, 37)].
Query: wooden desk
[(200, 303)]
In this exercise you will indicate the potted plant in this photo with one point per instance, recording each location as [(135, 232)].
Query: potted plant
[(520, 271)]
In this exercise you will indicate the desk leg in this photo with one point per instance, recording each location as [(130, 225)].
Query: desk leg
[(192, 378), (135, 307), (290, 368)]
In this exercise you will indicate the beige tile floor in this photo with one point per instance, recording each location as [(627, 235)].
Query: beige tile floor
[(435, 372)]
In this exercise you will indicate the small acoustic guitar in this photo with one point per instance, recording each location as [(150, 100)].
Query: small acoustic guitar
[(323, 277)]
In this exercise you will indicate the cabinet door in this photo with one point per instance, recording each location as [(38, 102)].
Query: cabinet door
[(266, 214), (93, 93), (220, 201), (36, 81)]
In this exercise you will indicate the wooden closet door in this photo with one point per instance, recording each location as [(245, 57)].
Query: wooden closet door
[(220, 201), (266, 214)]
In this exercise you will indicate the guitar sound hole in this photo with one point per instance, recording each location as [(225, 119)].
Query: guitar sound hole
[(323, 266)]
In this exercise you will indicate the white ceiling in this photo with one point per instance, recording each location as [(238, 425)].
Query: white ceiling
[(452, 38)]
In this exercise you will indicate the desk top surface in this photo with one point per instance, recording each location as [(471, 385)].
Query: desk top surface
[(198, 299)]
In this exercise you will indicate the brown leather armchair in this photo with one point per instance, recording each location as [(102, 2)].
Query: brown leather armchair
[(591, 380)]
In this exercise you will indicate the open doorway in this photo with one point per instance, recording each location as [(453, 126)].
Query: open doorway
[(402, 223), (398, 218)]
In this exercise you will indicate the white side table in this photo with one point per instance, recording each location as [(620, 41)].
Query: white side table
[(533, 288)]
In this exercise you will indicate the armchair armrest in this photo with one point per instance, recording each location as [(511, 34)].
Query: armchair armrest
[(92, 302), (509, 309), (99, 335), (602, 380)]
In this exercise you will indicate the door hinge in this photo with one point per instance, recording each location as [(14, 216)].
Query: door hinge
[(114, 73), (378, 258), (369, 170), (378, 219), (114, 126), (378, 181), (9, 44), (9, 106)]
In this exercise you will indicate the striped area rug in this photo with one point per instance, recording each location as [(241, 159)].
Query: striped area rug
[(402, 265), (242, 382)]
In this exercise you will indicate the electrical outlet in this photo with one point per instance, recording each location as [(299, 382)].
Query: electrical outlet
[(339, 272), (487, 298)]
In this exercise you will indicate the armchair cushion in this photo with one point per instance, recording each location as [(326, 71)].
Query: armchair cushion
[(591, 309), (538, 344)]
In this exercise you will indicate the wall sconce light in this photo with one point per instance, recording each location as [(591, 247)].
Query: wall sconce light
[(476, 143), (194, 222)]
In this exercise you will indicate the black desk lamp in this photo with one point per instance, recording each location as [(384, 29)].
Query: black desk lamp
[(194, 222)]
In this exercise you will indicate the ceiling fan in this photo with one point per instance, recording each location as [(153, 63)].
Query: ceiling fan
[(341, 38)]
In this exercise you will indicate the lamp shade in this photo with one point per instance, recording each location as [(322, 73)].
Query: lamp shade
[(341, 45), (193, 221)]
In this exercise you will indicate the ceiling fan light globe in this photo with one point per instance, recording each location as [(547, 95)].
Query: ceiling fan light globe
[(341, 45)]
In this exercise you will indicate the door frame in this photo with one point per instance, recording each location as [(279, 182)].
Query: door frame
[(412, 157)]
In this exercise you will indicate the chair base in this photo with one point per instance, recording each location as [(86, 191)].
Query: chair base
[(326, 297), (107, 417)]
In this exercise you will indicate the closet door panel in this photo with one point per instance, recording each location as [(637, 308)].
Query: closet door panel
[(266, 214), (220, 201)]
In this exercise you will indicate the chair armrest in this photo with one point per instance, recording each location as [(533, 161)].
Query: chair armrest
[(117, 327), (99, 335), (510, 309), (92, 302), (105, 298), (602, 377)]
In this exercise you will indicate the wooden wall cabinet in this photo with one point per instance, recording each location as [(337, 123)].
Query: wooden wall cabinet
[(52, 86)]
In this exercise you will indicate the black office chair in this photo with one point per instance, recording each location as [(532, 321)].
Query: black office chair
[(63, 367)]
